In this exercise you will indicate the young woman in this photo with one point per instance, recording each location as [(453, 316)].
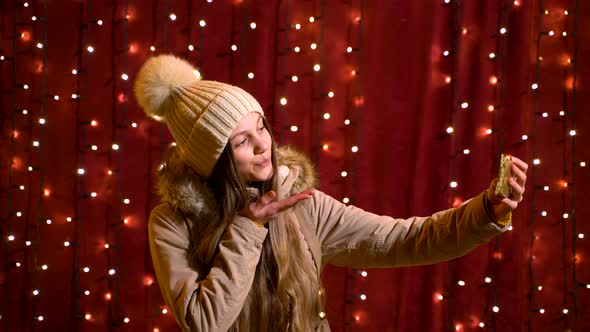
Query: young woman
[(241, 235)]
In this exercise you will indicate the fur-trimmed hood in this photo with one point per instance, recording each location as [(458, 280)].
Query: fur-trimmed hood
[(185, 189)]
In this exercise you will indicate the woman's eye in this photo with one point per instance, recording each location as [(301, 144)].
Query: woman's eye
[(261, 128), (242, 142)]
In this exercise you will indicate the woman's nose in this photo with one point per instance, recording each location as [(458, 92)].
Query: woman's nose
[(261, 145)]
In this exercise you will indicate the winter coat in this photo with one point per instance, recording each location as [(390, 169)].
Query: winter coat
[(334, 233)]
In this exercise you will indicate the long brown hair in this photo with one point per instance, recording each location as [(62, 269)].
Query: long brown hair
[(286, 293)]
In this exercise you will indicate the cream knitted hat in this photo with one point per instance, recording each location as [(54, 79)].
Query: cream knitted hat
[(200, 114)]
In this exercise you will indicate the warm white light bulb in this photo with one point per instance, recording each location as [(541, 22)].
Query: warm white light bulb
[(466, 151), (503, 30), (112, 272), (364, 273), (66, 243), (454, 184), (253, 25), (544, 114), (250, 75), (90, 48), (492, 55), (294, 128), (349, 49), (464, 105), (541, 311), (344, 174), (234, 47), (44, 267), (461, 283), (355, 149), (202, 23), (347, 122), (363, 297), (496, 309), (294, 78), (191, 47), (313, 46), (450, 130), (488, 280), (173, 17), (572, 133), (331, 94), (115, 146), (525, 137), (345, 200), (536, 161), (39, 45), (296, 49), (534, 86), (10, 237), (297, 26), (126, 320), (326, 116), (36, 292), (316, 67), (283, 101)]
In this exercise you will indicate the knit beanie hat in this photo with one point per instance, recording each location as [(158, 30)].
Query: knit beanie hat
[(200, 114)]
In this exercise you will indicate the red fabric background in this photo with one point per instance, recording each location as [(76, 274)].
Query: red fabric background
[(403, 167)]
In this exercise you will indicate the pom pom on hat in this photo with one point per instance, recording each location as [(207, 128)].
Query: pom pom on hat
[(158, 78)]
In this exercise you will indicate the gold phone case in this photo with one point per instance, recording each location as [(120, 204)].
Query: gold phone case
[(502, 188)]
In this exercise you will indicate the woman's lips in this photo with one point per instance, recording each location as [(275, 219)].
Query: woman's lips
[(262, 164)]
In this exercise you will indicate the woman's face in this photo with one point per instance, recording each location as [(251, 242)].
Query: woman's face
[(251, 147)]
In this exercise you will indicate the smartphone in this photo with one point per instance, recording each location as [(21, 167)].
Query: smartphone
[(504, 169)]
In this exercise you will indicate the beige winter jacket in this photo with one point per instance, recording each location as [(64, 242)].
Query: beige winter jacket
[(334, 233)]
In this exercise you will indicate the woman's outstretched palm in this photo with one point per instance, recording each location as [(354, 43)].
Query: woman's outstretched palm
[(265, 207)]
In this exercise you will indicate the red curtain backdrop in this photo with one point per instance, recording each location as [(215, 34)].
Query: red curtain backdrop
[(394, 78)]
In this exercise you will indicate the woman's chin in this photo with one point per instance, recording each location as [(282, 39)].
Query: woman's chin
[(263, 174)]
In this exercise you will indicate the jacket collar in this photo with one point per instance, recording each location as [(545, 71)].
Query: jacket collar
[(185, 189)]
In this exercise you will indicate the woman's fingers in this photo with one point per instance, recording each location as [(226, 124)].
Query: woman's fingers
[(267, 208), (517, 190), (521, 164), (292, 200), (268, 198)]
